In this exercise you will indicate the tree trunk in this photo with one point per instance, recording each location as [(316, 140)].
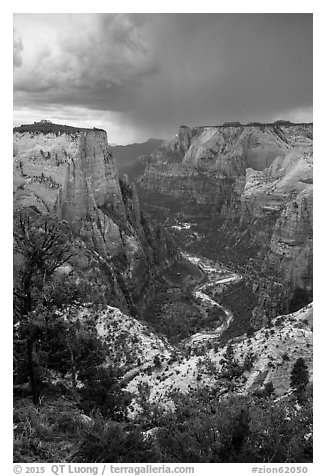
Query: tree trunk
[(32, 373), (27, 293)]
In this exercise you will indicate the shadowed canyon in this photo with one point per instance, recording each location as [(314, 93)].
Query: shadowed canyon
[(163, 295)]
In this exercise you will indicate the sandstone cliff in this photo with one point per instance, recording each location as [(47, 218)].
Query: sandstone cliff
[(201, 160), (257, 180), (73, 174)]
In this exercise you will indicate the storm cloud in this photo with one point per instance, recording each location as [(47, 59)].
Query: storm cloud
[(142, 75), (17, 51)]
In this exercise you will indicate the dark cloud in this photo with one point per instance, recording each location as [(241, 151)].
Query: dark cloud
[(238, 67), (17, 51), (96, 61), (162, 70)]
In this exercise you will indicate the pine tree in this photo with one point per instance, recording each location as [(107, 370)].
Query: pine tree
[(299, 375), (43, 243)]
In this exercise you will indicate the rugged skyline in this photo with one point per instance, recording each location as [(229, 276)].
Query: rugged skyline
[(142, 75)]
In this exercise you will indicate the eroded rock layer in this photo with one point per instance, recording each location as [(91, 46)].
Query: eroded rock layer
[(257, 179), (71, 173)]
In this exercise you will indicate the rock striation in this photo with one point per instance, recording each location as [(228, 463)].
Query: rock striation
[(257, 179), (197, 162), (71, 172)]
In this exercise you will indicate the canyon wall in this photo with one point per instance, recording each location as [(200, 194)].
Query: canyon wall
[(256, 180), (72, 174)]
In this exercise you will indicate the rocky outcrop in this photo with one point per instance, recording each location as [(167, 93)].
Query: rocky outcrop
[(200, 163), (281, 197), (257, 180), (72, 173), (69, 172), (267, 356), (187, 167)]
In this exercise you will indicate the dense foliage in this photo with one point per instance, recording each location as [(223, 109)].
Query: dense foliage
[(47, 127), (237, 429)]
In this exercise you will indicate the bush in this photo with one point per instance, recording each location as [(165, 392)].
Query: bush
[(157, 362), (269, 389), (237, 429), (39, 431), (112, 442), (299, 377), (248, 361), (103, 394)]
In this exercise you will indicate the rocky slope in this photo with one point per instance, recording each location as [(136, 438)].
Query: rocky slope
[(242, 366), (131, 347), (256, 180), (267, 356), (71, 172)]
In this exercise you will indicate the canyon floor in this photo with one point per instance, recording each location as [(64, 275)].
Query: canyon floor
[(164, 322)]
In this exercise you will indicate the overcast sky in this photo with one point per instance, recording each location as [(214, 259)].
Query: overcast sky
[(142, 75)]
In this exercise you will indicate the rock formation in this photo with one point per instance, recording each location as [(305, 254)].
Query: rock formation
[(71, 172), (257, 179)]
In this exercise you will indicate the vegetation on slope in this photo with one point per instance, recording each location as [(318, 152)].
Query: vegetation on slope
[(201, 429), (70, 402), (47, 127)]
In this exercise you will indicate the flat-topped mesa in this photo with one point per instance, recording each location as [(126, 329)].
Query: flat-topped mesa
[(208, 164), (46, 127), (71, 172), (92, 180), (257, 144), (198, 162)]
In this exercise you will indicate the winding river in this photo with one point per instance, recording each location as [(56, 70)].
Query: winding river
[(215, 276)]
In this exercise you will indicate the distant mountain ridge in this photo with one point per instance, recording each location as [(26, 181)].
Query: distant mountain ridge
[(130, 158)]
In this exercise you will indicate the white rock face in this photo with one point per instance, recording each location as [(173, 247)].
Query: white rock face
[(71, 172), (285, 189), (219, 153), (259, 176), (132, 346), (73, 175)]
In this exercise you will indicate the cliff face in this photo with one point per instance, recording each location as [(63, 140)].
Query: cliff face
[(198, 162), (257, 179), (187, 167), (72, 174)]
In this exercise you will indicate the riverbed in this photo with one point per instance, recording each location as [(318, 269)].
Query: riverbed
[(216, 274)]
